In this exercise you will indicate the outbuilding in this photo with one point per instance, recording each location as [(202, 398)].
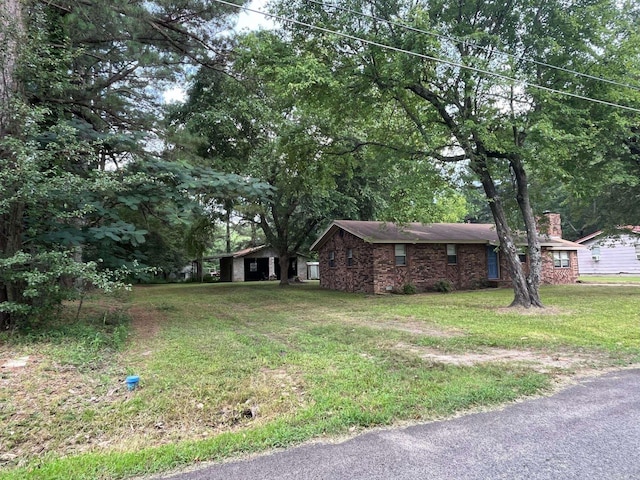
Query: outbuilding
[(259, 263)]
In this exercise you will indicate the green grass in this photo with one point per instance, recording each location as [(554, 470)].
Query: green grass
[(230, 369)]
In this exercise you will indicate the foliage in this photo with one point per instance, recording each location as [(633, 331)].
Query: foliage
[(409, 289), (274, 137), (470, 92), (443, 286), (50, 277), (271, 117), (80, 178)]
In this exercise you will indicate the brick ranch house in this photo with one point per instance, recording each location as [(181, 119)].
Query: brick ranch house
[(379, 257)]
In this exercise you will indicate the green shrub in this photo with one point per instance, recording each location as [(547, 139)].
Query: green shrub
[(443, 286), (409, 289)]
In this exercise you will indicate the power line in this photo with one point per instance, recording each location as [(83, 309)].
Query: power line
[(479, 47), (427, 57)]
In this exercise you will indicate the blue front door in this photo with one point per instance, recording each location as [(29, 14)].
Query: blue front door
[(492, 263)]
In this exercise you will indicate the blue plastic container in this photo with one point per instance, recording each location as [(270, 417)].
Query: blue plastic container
[(132, 382)]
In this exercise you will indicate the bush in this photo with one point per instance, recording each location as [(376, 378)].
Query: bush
[(409, 289), (443, 286)]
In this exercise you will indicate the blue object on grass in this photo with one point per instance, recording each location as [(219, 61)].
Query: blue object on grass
[(132, 381)]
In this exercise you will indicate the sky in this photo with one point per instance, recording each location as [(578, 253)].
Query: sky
[(253, 21), (246, 21)]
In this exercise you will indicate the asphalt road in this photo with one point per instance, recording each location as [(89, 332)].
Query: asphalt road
[(588, 431)]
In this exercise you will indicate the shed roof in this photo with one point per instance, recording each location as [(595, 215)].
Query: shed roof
[(248, 251), (385, 232), (242, 253)]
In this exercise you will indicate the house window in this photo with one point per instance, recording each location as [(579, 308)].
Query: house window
[(638, 251), (595, 253), (332, 259), (561, 259), (452, 254), (401, 254), (349, 257), (522, 255)]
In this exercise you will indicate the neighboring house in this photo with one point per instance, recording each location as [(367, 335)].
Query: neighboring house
[(379, 257), (608, 254), (259, 263)]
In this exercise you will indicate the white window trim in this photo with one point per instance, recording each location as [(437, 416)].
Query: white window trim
[(452, 247), (400, 251), (560, 257)]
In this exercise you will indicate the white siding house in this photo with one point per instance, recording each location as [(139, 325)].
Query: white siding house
[(610, 254), (259, 263)]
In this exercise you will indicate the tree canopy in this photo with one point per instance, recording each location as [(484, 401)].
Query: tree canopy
[(475, 81), (80, 176)]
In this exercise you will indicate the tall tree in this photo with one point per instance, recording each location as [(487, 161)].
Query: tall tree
[(79, 96), (250, 124), (269, 116), (12, 31), (455, 86)]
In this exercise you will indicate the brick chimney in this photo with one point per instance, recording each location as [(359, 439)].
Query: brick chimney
[(550, 224)]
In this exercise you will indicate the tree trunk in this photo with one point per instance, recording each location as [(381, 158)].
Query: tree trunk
[(284, 268), (534, 250), (508, 248), (11, 32), (228, 206)]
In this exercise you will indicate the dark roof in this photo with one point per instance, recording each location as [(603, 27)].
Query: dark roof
[(248, 251), (242, 253), (385, 232)]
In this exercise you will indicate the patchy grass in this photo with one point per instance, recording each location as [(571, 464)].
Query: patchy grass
[(229, 369)]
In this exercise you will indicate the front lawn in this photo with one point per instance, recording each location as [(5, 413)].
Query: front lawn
[(230, 369)]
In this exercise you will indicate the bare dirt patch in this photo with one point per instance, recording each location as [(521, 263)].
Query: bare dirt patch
[(409, 325), (146, 322), (550, 311), (543, 362)]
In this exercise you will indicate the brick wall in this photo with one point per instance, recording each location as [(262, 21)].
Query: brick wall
[(551, 224), (373, 268), (552, 275), (355, 278), (427, 264)]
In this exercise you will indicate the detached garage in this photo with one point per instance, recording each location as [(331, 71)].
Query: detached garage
[(259, 263)]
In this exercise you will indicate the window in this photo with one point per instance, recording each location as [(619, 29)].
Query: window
[(349, 257), (561, 259), (401, 254), (638, 251), (332, 259), (522, 255), (595, 253), (452, 254)]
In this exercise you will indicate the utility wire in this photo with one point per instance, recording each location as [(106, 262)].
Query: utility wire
[(479, 47), (426, 57)]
